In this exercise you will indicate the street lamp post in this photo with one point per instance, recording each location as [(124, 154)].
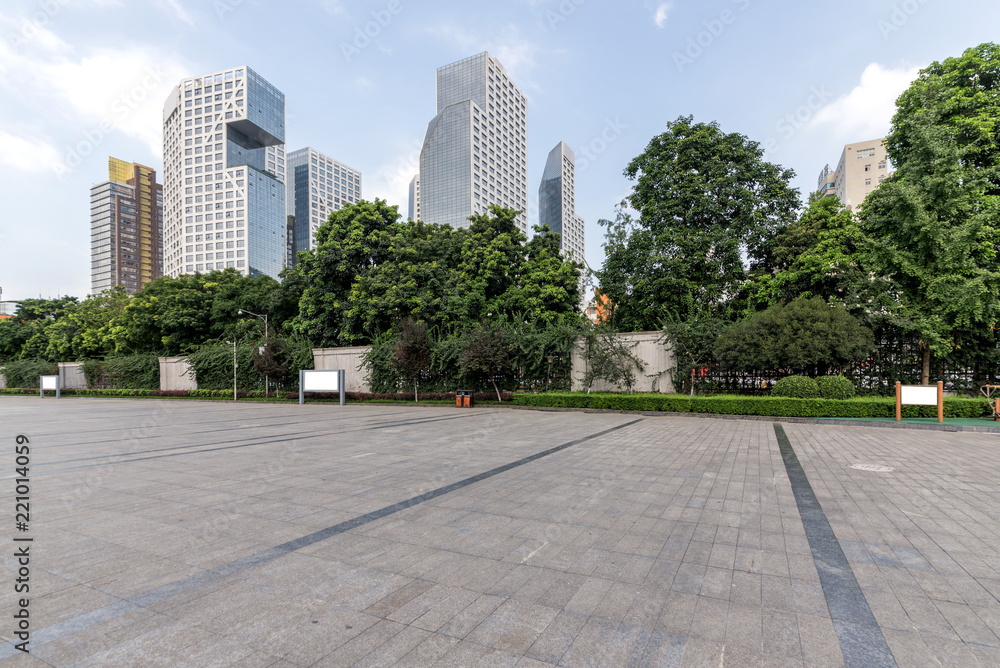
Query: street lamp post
[(234, 368), (264, 318)]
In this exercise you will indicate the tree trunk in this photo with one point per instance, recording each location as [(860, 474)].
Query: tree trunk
[(415, 399), (497, 389), (925, 374)]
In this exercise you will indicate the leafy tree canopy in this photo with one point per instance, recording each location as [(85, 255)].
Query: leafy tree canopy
[(705, 199)]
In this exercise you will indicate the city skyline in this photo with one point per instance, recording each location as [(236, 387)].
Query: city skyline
[(88, 80)]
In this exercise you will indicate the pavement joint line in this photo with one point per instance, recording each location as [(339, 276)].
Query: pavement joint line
[(261, 440), (138, 601), (861, 640)]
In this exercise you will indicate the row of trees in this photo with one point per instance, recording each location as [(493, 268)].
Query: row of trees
[(710, 236), (369, 275), (711, 247)]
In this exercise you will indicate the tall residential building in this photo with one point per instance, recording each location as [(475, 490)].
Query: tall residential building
[(414, 212), (126, 228), (826, 184), (475, 151), (317, 184), (223, 175), (557, 200), (862, 167)]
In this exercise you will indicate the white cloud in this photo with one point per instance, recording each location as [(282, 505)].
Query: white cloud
[(865, 112), (85, 92), (662, 14), (391, 180), (177, 9), (25, 154)]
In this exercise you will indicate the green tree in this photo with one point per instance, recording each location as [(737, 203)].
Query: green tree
[(412, 351), (488, 352), (691, 338), (352, 242), (935, 219), (823, 254), (805, 336), (704, 198)]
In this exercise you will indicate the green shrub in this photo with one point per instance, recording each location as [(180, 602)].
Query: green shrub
[(868, 407), (798, 387), (835, 387), (25, 373)]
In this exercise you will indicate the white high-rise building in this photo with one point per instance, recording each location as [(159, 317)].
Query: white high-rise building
[(557, 201), (316, 185), (223, 175), (475, 150), (414, 212)]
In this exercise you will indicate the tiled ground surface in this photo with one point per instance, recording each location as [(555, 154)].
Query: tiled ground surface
[(669, 542)]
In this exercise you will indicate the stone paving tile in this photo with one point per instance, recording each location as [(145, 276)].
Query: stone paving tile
[(675, 541)]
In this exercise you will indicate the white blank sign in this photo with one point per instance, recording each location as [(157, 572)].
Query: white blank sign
[(321, 381), (50, 382), (918, 395)]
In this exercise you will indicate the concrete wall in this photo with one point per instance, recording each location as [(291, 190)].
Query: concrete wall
[(173, 374), (655, 377), (71, 376), (349, 359)]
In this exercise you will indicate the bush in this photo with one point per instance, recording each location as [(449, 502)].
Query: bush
[(835, 387), (877, 407), (25, 373), (127, 372), (798, 387)]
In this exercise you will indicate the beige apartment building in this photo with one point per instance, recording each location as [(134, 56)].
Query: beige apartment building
[(862, 166)]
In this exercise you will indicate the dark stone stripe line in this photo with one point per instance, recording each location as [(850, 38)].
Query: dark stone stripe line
[(153, 596), (353, 416), (861, 639), (262, 440)]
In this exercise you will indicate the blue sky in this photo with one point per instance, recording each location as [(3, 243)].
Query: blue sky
[(84, 79)]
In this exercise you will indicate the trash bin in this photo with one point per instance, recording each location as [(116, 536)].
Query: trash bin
[(464, 398)]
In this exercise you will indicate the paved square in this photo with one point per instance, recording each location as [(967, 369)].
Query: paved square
[(177, 533)]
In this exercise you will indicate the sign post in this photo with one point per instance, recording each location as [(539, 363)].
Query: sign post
[(49, 383), (322, 381), (920, 395)]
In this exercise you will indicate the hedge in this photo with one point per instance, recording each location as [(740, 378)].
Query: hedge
[(866, 407), (25, 373), (402, 397)]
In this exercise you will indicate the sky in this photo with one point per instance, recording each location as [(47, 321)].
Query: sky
[(82, 80)]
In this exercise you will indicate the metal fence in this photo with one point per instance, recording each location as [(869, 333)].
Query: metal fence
[(893, 361)]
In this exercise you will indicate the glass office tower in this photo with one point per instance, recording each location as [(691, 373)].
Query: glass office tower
[(475, 150), (557, 200), (317, 184), (223, 175)]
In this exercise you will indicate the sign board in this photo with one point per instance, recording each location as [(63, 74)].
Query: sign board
[(920, 395), (49, 383), (322, 381)]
